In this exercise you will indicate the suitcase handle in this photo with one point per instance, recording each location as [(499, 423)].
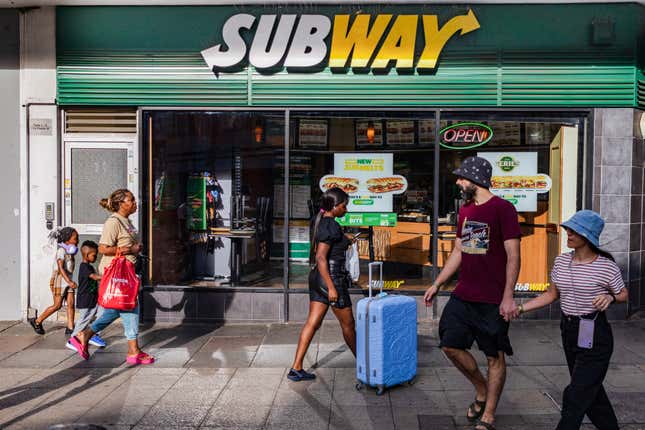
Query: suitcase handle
[(369, 271)]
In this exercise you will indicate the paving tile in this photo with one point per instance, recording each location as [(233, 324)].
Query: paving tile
[(12, 377), (97, 359), (625, 378), (13, 344), (41, 359), (241, 330), (116, 412), (220, 359), (233, 343), (311, 417), (557, 376), (628, 406), (339, 356), (237, 416), (286, 334), (172, 414), (435, 422), (281, 356), (523, 377), (411, 397), (347, 397), (352, 417), (16, 406)]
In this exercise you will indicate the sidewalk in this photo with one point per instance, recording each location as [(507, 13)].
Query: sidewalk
[(233, 377)]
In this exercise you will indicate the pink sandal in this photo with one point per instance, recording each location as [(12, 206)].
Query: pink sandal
[(80, 348), (140, 358)]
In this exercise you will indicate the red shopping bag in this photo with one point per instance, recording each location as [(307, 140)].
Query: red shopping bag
[(119, 285)]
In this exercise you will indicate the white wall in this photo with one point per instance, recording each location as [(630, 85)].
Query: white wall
[(9, 164), (39, 153)]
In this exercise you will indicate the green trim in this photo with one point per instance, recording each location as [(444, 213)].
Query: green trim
[(523, 55)]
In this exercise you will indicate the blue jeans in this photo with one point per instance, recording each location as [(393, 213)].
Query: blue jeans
[(130, 321)]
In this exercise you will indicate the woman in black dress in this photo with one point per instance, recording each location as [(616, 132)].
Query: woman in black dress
[(329, 281)]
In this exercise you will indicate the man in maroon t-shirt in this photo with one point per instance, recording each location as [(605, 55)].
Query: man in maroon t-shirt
[(487, 255)]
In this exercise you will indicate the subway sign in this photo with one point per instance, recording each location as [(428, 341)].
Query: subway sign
[(301, 42), (465, 135)]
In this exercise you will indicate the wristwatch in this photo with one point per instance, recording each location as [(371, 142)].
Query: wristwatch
[(613, 297), (520, 308)]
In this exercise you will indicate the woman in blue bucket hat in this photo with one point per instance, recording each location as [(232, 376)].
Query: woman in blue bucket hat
[(587, 281)]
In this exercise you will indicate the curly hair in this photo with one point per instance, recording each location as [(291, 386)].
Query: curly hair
[(113, 202), (62, 235)]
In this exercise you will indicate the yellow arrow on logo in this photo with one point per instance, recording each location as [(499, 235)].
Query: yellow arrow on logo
[(436, 39)]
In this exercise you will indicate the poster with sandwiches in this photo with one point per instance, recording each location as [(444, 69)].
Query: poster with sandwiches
[(368, 179), (516, 178)]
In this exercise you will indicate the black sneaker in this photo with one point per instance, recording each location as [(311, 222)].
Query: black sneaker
[(38, 328), (300, 375), (68, 331)]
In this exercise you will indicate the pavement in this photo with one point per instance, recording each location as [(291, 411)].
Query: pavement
[(233, 377)]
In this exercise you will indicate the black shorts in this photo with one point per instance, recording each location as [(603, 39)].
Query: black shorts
[(464, 322), (342, 282)]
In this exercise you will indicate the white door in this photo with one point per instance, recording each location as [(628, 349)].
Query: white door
[(94, 167)]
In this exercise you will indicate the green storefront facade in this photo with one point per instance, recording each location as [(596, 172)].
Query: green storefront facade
[(536, 74)]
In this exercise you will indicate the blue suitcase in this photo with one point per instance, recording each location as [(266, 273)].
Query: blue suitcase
[(386, 338)]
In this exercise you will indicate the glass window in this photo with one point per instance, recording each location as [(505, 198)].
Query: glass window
[(385, 162), (211, 197), (525, 173)]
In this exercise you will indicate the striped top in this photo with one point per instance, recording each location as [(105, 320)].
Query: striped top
[(589, 280)]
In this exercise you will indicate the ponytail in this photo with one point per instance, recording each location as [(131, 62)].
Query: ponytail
[(329, 200)]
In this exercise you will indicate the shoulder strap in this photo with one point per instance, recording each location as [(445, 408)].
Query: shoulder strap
[(125, 227)]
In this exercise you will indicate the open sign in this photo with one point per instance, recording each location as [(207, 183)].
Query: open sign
[(465, 135)]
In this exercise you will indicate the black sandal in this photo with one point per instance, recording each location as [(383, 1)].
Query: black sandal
[(473, 414), (487, 426)]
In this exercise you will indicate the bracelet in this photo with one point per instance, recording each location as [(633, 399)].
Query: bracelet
[(521, 308)]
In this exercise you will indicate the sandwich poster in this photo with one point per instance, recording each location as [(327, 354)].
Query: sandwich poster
[(516, 179), (368, 179)]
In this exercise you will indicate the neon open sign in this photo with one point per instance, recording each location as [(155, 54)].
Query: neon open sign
[(465, 135)]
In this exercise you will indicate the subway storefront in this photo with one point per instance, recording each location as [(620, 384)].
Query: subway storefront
[(229, 123)]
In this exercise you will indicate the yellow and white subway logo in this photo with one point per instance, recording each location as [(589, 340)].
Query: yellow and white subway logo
[(368, 41)]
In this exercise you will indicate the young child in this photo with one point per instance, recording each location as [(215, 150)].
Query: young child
[(61, 283), (88, 293)]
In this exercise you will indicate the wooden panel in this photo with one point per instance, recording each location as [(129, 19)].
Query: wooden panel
[(534, 253)]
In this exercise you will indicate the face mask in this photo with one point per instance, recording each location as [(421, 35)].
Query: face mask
[(69, 249)]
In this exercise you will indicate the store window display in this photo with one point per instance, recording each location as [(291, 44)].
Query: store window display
[(211, 216)]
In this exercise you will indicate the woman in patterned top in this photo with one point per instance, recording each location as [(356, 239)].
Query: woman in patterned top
[(586, 280)]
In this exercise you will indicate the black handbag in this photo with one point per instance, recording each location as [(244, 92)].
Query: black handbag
[(316, 282)]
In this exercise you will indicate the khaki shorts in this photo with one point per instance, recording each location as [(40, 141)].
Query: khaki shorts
[(58, 287)]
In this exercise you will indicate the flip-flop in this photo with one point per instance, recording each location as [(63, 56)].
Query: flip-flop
[(487, 426), (473, 414), (140, 358), (80, 348)]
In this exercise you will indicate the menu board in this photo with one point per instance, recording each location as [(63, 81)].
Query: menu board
[(313, 133), (426, 132), (505, 133), (399, 133), (367, 178), (361, 133), (516, 179)]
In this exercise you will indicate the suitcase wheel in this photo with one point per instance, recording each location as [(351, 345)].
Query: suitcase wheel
[(380, 390), (359, 386)]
